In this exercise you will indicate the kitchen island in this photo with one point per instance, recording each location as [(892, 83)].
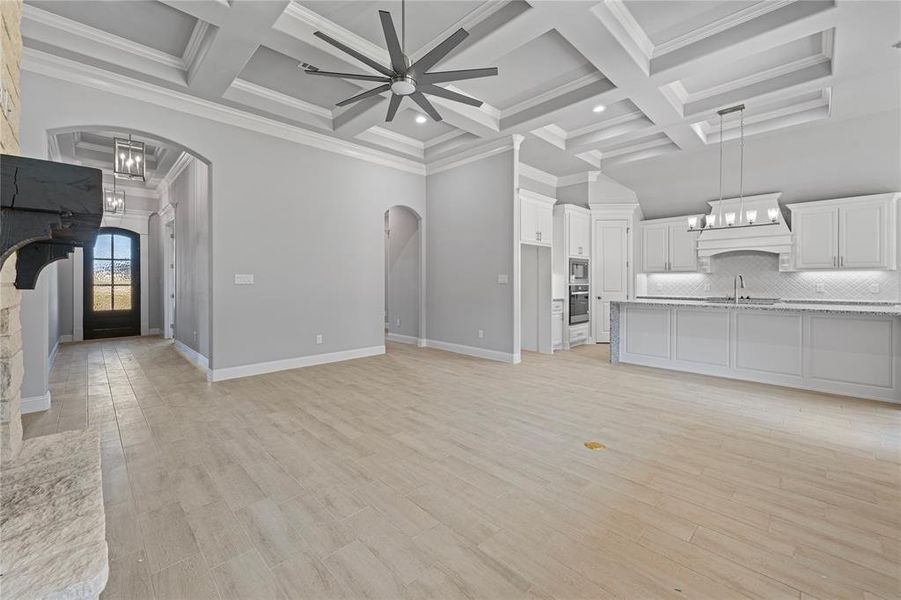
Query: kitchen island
[(850, 349)]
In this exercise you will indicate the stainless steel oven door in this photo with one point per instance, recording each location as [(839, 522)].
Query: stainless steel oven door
[(578, 305)]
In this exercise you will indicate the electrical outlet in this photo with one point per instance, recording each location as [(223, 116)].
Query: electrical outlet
[(398, 322), (318, 338), (481, 333), (874, 288), (821, 288), (243, 278), (503, 279)]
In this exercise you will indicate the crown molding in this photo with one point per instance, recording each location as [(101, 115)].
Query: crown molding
[(555, 92), (181, 163), (552, 134), (263, 92), (296, 15), (473, 154), (119, 44), (50, 65), (576, 178), (536, 174), (192, 48), (536, 196)]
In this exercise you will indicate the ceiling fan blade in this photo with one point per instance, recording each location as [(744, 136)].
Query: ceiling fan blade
[(394, 50), (434, 90), (438, 52), (373, 92), (393, 106), (360, 57), (441, 76), (425, 105), (348, 75)]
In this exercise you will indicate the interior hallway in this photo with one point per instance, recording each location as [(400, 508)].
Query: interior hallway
[(428, 474)]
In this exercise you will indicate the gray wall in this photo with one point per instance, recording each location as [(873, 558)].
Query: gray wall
[(470, 242), (64, 295), (810, 162), (53, 328), (403, 271), (189, 195), (537, 186), (33, 314), (573, 194), (306, 222)]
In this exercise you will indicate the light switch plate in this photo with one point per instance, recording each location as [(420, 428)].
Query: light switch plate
[(481, 333), (243, 278), (503, 279), (318, 338)]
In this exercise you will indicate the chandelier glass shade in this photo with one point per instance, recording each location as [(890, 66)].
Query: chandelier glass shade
[(128, 159), (113, 200)]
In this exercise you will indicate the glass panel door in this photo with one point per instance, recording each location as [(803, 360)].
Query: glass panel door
[(112, 276)]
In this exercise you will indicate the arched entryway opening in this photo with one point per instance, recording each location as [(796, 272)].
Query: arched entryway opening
[(404, 276), (167, 215)]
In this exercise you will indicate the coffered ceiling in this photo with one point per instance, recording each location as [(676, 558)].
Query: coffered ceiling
[(591, 84)]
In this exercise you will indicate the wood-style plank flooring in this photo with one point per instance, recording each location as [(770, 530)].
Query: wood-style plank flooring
[(423, 474)]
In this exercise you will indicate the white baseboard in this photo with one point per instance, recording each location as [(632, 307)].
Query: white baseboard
[(402, 339), (154, 331), (199, 360), (506, 357), (35, 403), (52, 358), (65, 339), (293, 363)]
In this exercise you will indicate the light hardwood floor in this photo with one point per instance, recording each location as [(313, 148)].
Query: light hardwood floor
[(423, 474)]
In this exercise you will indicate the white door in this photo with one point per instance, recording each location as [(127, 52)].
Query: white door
[(610, 276), (579, 234), (683, 248), (655, 248), (816, 238), (862, 233)]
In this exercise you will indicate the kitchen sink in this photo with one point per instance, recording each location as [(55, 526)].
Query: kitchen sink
[(727, 300)]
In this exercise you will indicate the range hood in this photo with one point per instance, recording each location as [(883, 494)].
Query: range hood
[(763, 236), (46, 210)]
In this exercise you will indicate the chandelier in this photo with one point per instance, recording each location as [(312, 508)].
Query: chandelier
[(113, 199), (730, 219), (128, 158)]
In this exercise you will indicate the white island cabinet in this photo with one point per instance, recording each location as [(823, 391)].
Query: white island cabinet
[(852, 350)]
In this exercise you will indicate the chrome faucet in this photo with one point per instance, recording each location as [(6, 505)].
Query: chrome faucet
[(737, 282)]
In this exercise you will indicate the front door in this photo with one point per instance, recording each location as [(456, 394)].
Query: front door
[(609, 279), (112, 298)]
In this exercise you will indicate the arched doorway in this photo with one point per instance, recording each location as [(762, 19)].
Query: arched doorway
[(403, 276), (112, 285)]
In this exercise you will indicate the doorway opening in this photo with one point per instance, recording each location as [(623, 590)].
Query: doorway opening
[(403, 275), (112, 285), (536, 334)]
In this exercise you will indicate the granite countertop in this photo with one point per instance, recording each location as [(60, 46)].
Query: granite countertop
[(876, 309)]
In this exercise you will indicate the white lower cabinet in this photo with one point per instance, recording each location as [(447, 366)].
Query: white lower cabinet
[(579, 334), (849, 354)]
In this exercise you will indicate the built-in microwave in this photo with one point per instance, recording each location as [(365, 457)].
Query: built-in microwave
[(578, 271)]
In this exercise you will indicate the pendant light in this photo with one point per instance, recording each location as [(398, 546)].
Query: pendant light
[(128, 159), (113, 199)]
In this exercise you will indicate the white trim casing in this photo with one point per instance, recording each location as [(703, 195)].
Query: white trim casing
[(507, 357), (196, 358), (402, 339), (33, 404), (292, 363)]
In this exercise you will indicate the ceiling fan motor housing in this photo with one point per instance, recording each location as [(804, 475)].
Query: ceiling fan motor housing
[(403, 86)]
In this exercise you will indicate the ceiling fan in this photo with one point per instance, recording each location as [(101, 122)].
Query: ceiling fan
[(405, 79)]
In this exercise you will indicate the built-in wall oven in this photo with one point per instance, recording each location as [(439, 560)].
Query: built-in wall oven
[(578, 271), (578, 304)]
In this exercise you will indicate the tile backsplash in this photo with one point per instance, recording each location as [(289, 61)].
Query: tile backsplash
[(763, 280)]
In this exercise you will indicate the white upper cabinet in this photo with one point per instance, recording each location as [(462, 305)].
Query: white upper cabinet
[(668, 246), (847, 233), (655, 247), (683, 248), (536, 218), (579, 226), (816, 238)]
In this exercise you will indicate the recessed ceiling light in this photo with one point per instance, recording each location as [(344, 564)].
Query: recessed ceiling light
[(421, 119), (599, 108)]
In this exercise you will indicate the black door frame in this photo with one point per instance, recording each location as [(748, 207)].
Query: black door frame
[(108, 324)]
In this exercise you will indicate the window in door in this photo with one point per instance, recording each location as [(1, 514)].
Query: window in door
[(111, 286)]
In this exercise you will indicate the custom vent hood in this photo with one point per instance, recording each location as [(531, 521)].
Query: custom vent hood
[(46, 210), (764, 235)]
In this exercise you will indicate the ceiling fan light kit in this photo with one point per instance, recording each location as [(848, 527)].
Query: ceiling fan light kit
[(403, 78)]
